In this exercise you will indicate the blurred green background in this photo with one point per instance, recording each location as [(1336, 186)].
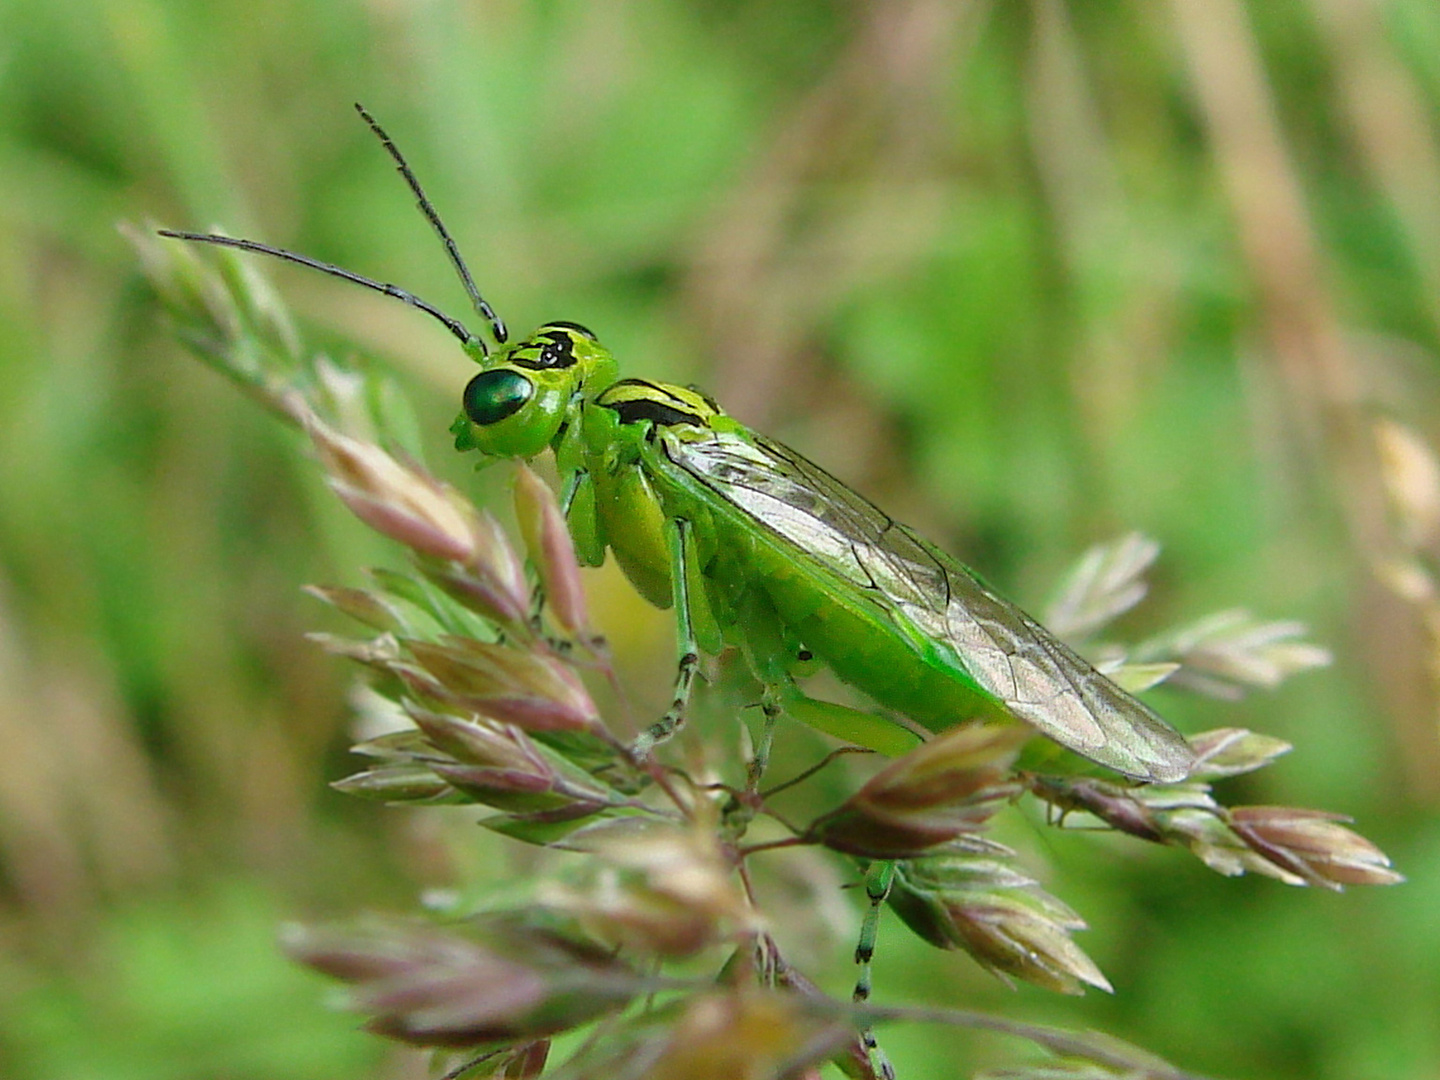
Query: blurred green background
[(1036, 272)]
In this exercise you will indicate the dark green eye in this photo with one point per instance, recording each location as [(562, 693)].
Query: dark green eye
[(493, 395)]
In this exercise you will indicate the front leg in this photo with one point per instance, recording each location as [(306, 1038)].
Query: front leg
[(677, 535)]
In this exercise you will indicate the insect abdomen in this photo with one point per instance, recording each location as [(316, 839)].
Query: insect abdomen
[(865, 646)]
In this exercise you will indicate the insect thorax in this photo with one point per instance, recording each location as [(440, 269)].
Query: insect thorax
[(636, 401)]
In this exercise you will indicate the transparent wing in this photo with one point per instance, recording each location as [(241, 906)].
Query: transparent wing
[(1011, 656)]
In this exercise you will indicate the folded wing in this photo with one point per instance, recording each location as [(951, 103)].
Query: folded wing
[(1039, 679)]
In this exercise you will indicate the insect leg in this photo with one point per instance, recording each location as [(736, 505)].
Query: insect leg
[(677, 531), (878, 879), (568, 490), (771, 707)]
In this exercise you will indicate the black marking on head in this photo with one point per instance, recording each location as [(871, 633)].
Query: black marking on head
[(557, 350), (583, 330)]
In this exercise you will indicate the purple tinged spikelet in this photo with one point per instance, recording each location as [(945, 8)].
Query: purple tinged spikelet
[(547, 539)]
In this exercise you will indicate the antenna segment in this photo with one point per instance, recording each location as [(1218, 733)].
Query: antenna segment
[(455, 326), (497, 327), (474, 345)]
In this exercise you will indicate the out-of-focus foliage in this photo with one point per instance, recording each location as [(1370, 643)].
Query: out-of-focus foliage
[(1036, 272)]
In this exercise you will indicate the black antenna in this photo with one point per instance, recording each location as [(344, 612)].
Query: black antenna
[(427, 208), (455, 326)]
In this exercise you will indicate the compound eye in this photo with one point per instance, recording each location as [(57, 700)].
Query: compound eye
[(493, 395)]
